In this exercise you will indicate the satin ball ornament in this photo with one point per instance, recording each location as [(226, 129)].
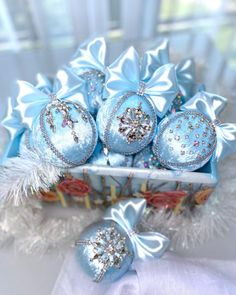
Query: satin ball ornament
[(104, 251), (185, 141), (126, 124), (64, 134)]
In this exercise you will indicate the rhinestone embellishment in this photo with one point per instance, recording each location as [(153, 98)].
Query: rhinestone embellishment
[(64, 109), (134, 124), (108, 249), (178, 101), (95, 82), (190, 145)]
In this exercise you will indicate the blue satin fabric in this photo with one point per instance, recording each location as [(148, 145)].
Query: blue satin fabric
[(44, 83), (124, 75), (185, 69), (124, 217), (179, 147), (15, 129), (99, 158), (89, 64), (31, 101), (125, 88), (211, 105), (127, 214), (92, 267), (108, 124), (184, 142), (13, 123)]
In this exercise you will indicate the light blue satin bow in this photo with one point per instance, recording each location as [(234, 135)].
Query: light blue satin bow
[(44, 83), (128, 214), (91, 55), (31, 100), (124, 75), (211, 105), (12, 121), (185, 70), (15, 129)]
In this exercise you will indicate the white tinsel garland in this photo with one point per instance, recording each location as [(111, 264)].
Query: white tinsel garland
[(34, 233), (213, 218), (22, 177)]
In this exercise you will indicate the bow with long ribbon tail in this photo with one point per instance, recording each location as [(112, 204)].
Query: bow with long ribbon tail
[(185, 69), (91, 55), (128, 214), (211, 105), (15, 129), (31, 100), (124, 75)]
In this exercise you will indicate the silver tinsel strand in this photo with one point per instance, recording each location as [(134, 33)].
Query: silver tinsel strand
[(213, 218), (34, 233)]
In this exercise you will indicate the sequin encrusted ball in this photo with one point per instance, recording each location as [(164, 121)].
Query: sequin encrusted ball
[(185, 141)]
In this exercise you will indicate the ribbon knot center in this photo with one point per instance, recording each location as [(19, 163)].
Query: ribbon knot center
[(141, 89), (217, 122), (131, 232), (53, 96)]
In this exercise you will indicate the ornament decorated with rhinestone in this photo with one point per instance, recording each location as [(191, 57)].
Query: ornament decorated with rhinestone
[(189, 139), (186, 141), (127, 120), (61, 130), (105, 250)]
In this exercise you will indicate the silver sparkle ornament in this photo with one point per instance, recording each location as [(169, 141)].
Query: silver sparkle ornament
[(185, 141), (104, 251)]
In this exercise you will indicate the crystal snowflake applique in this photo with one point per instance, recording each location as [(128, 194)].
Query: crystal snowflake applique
[(134, 124), (108, 248)]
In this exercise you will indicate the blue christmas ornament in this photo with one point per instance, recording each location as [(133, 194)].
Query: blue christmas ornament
[(18, 133), (185, 72), (62, 131), (44, 84), (188, 139), (127, 120), (146, 159), (89, 64), (101, 157), (105, 250)]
